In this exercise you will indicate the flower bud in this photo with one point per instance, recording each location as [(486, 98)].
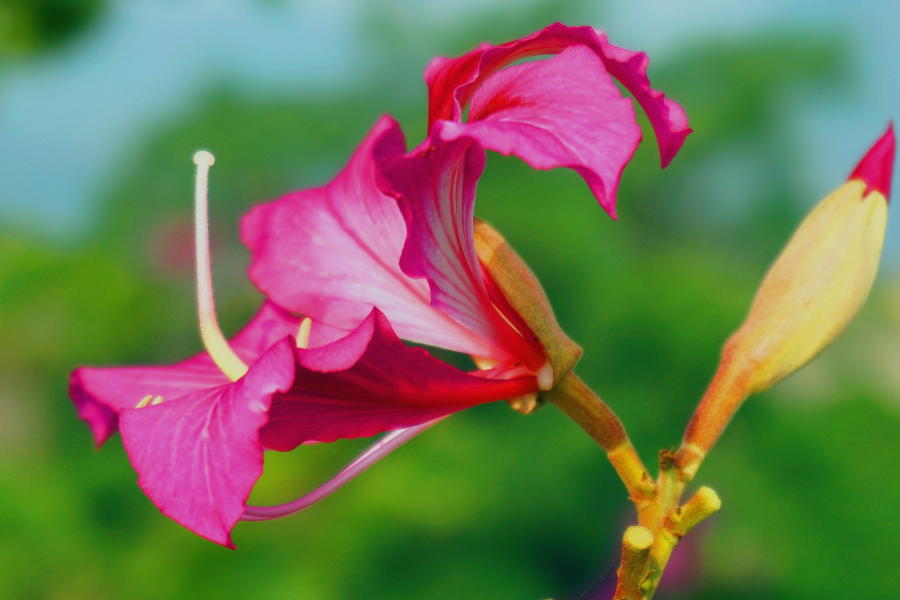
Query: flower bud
[(810, 294), (822, 277)]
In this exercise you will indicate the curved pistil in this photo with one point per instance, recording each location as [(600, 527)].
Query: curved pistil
[(213, 340)]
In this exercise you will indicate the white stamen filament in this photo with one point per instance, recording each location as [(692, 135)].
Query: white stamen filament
[(213, 340), (303, 333)]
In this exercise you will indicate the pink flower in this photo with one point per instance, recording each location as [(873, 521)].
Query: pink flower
[(195, 431), (395, 230), (562, 112), (390, 245), (338, 251)]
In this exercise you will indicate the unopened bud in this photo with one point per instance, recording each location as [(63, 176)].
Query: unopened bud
[(822, 277), (810, 294)]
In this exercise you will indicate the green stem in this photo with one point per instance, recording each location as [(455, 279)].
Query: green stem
[(646, 548), (572, 396)]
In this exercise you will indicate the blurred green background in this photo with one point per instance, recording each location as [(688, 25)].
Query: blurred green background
[(102, 104)]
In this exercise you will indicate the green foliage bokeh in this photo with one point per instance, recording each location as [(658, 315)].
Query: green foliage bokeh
[(490, 504)]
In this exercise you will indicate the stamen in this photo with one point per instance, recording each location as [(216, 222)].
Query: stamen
[(149, 400), (213, 340), (545, 376), (303, 333), (525, 404), (376, 452)]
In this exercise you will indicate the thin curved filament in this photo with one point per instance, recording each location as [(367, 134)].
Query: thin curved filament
[(372, 455)]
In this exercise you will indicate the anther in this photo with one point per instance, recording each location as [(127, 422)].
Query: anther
[(157, 400), (545, 376), (213, 340), (303, 333), (144, 401)]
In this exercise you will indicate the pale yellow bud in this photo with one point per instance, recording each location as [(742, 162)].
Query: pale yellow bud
[(814, 288), (809, 296)]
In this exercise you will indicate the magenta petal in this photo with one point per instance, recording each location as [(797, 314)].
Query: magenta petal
[(333, 253), (370, 382), (562, 112), (452, 82), (271, 324), (100, 395), (877, 166), (198, 456), (435, 188)]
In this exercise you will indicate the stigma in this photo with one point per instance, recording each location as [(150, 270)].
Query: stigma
[(216, 344)]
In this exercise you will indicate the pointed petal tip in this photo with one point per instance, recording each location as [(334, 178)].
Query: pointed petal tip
[(877, 166), (667, 152)]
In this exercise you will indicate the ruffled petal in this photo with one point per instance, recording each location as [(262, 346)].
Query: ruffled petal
[(435, 189), (562, 112), (198, 456), (452, 82), (333, 253), (370, 382), (101, 394)]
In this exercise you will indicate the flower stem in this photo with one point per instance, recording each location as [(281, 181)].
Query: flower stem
[(572, 396), (726, 393), (647, 547)]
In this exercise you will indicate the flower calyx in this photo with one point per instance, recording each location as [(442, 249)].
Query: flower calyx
[(527, 299)]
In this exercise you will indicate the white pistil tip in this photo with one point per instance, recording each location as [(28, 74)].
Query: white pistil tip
[(303, 333), (545, 376), (202, 157)]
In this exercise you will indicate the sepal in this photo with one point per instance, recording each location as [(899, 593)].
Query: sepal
[(522, 290)]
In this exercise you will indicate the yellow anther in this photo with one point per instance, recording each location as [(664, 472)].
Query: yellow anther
[(303, 333), (157, 400), (144, 401)]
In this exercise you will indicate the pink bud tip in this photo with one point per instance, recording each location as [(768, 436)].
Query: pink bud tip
[(877, 165)]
